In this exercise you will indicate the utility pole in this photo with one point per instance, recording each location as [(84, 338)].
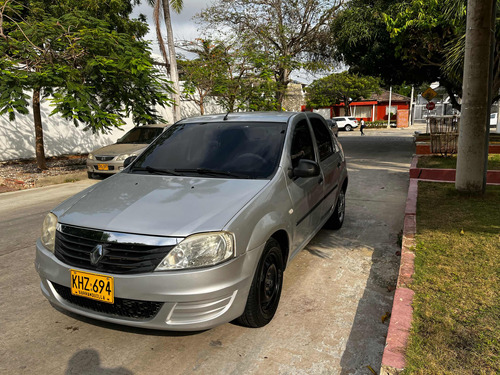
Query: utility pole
[(389, 109), (476, 100), (411, 105)]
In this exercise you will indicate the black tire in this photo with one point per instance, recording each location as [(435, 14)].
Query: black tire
[(348, 128), (265, 291), (337, 219), (90, 175)]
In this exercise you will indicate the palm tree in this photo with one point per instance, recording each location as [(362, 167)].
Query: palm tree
[(163, 7)]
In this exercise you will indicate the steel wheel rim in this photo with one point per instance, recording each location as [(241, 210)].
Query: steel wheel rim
[(341, 206), (270, 285)]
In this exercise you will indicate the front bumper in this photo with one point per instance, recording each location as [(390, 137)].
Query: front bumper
[(190, 300), (112, 166)]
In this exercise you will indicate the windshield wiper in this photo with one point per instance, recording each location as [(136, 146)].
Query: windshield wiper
[(214, 172), (149, 169)]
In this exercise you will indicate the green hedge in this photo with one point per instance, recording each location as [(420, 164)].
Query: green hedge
[(376, 124)]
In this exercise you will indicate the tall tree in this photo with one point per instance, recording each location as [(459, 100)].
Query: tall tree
[(87, 60), (291, 33), (202, 73), (340, 88), (362, 42), (169, 56), (432, 34), (478, 80), (235, 75)]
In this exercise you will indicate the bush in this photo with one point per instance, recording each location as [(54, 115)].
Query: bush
[(376, 124)]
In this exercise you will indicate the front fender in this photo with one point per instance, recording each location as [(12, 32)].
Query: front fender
[(266, 227)]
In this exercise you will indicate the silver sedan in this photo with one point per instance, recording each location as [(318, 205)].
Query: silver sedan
[(198, 230)]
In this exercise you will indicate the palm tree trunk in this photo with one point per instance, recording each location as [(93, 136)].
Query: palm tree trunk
[(477, 85), (37, 118), (174, 76)]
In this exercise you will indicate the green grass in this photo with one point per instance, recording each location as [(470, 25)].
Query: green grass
[(456, 321), (450, 162)]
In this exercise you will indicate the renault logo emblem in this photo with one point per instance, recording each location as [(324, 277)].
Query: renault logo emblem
[(96, 254)]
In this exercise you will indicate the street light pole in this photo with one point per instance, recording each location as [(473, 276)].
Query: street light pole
[(389, 109)]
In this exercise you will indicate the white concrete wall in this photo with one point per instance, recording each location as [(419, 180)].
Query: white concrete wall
[(17, 138)]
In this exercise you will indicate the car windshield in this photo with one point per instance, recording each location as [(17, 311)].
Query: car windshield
[(140, 135), (222, 149)]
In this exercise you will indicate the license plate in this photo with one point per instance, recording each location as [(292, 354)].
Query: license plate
[(102, 167), (93, 286)]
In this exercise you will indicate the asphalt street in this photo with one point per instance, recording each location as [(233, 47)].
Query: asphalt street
[(329, 318)]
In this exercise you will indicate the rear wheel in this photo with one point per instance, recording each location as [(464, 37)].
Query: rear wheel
[(265, 291), (348, 128), (337, 219)]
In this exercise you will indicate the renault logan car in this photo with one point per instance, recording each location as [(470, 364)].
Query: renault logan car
[(109, 159), (198, 230)]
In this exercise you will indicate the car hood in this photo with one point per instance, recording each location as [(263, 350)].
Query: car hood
[(119, 149), (159, 205)]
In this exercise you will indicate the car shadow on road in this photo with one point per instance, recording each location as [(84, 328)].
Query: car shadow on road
[(377, 264)]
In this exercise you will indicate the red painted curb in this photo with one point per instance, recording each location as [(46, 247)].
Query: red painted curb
[(411, 199), (424, 148), (393, 359), (448, 175), (399, 328)]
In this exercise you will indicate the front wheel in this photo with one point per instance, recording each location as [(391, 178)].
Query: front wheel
[(337, 219), (348, 128), (265, 290)]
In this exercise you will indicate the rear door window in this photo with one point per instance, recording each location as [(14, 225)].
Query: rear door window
[(323, 138)]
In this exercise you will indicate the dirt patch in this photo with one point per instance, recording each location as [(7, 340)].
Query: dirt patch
[(24, 174)]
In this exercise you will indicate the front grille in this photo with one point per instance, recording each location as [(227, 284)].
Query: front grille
[(104, 158), (74, 245), (122, 307)]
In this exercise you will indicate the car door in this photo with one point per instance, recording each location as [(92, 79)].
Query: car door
[(305, 192), (330, 162), (340, 122)]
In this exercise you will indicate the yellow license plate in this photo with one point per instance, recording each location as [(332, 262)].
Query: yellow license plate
[(102, 167), (94, 286)]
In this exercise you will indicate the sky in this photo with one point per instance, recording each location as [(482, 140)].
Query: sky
[(182, 24), (186, 29)]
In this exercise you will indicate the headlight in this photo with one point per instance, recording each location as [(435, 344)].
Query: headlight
[(49, 231), (91, 157), (122, 157), (199, 250)]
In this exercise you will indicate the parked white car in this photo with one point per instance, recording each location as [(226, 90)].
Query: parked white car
[(493, 120), (346, 123)]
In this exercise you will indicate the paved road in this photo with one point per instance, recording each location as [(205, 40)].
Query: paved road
[(328, 322)]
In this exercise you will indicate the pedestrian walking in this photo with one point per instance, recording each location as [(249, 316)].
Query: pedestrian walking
[(362, 127)]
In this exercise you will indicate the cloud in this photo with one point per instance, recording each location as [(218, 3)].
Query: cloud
[(182, 24)]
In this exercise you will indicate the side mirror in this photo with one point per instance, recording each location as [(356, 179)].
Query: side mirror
[(306, 168), (128, 161)]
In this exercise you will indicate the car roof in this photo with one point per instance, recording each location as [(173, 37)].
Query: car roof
[(152, 126), (243, 117)]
